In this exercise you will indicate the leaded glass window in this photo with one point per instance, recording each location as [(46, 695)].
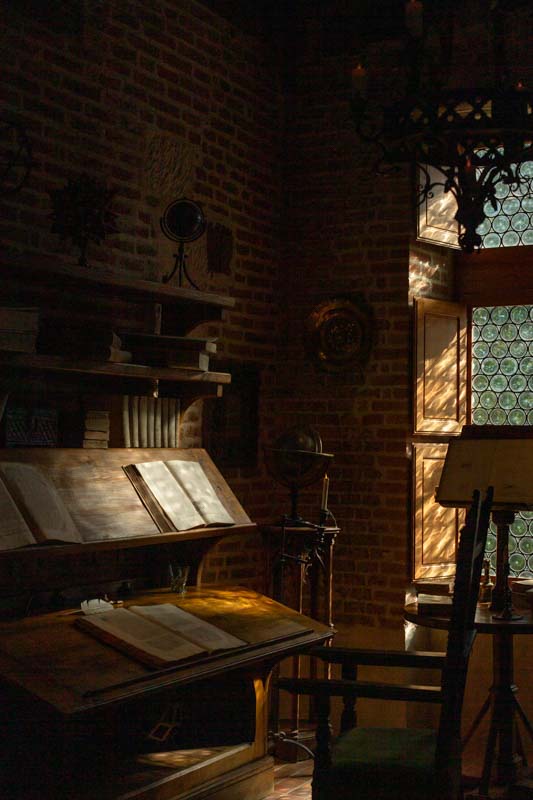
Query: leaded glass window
[(508, 224), (502, 394)]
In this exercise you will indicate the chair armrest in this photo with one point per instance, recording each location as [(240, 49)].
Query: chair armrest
[(344, 688), (384, 658)]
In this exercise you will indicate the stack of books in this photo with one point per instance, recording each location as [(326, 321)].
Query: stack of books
[(18, 329), (96, 433), (64, 338), (150, 421), (522, 593), (178, 352)]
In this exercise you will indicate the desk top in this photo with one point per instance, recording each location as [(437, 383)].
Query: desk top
[(67, 668), (485, 623)]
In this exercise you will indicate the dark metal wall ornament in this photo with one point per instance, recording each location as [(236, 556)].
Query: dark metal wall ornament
[(183, 221), (338, 334), (82, 213), (15, 156)]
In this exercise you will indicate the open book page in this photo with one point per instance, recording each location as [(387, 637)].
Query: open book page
[(193, 479), (196, 630), (175, 503), (39, 502), (13, 532), (138, 636)]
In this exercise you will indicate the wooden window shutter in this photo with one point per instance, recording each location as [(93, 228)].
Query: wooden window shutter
[(439, 410), (441, 367), (435, 528)]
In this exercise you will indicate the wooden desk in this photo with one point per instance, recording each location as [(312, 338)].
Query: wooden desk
[(82, 709), (501, 702)]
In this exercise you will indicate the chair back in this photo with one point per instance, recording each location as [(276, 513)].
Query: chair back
[(469, 562)]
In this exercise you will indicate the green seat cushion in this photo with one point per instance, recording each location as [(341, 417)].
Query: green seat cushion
[(383, 764)]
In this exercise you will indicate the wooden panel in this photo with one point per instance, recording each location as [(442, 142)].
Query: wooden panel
[(435, 528), (495, 277), (441, 367)]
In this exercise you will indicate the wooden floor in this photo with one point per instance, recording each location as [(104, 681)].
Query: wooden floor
[(293, 782)]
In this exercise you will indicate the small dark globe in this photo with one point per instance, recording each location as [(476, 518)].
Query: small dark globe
[(297, 460), (299, 439)]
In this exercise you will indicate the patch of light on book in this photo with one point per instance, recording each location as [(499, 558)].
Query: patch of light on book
[(165, 490)]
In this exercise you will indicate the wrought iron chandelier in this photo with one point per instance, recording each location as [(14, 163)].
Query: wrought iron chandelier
[(463, 140)]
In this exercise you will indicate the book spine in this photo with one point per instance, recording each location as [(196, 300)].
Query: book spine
[(126, 420), (150, 414), (157, 433), (177, 424), (164, 421), (135, 421), (143, 421), (171, 422)]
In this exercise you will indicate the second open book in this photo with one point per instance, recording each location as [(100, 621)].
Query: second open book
[(158, 635), (178, 494)]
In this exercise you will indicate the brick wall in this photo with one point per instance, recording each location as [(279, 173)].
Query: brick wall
[(431, 272), (171, 100), (158, 101), (348, 235)]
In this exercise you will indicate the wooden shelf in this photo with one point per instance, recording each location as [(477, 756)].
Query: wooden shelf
[(137, 371), (113, 284), (54, 549)]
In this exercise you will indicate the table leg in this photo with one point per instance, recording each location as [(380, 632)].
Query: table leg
[(503, 697)]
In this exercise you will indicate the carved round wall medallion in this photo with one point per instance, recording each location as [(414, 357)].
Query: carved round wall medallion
[(339, 334)]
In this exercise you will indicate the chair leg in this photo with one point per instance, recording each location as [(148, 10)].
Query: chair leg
[(349, 713), (323, 748)]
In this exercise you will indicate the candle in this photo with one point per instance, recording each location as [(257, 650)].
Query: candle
[(359, 80), (325, 491), (414, 20)]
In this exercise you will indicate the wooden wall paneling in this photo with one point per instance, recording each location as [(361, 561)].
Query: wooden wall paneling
[(499, 276), (441, 367), (435, 528)]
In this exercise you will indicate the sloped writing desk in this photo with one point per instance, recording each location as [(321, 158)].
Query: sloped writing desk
[(77, 713), (79, 710)]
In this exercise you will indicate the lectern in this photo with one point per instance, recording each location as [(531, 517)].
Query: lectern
[(498, 456)]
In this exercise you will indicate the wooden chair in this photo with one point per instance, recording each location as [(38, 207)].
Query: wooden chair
[(401, 763)]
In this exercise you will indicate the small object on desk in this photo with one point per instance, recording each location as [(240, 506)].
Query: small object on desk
[(434, 605), (486, 586), (522, 591), (178, 578), (95, 606)]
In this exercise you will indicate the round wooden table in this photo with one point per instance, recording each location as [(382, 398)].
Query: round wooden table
[(502, 701)]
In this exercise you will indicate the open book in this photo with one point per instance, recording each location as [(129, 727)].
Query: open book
[(178, 494), (31, 508), (158, 635)]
